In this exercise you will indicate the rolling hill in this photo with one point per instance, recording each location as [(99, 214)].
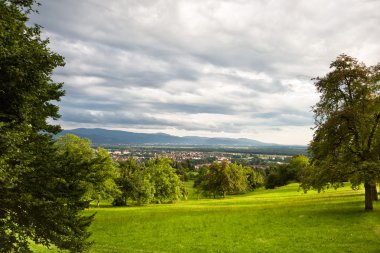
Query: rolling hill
[(100, 136)]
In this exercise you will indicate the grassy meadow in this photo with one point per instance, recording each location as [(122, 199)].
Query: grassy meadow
[(280, 220)]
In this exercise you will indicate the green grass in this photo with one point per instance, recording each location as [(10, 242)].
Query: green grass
[(280, 220)]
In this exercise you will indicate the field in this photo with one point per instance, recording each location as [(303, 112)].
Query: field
[(280, 220)]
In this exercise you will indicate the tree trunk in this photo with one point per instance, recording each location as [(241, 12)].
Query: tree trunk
[(374, 193), (368, 197)]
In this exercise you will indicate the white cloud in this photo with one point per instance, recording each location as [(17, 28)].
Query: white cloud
[(207, 67)]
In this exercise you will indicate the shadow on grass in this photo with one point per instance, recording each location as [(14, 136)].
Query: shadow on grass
[(348, 209)]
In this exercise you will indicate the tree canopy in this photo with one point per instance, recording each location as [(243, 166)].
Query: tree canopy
[(134, 182), (153, 181), (222, 178), (41, 194), (346, 142), (92, 170), (282, 174), (166, 182)]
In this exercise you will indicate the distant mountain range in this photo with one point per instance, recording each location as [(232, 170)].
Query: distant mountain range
[(100, 136)]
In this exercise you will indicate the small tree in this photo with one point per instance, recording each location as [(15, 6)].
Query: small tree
[(201, 181), (166, 182), (255, 177), (134, 183), (239, 178), (346, 142), (93, 169), (283, 174), (105, 187), (124, 180), (220, 179), (297, 164)]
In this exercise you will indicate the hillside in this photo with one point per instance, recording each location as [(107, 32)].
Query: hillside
[(100, 136)]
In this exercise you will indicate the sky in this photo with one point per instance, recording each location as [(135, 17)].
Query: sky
[(216, 68)]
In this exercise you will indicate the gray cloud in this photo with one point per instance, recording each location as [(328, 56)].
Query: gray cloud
[(227, 68)]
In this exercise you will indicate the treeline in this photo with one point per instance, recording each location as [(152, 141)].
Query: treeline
[(160, 179), (223, 178), (283, 174)]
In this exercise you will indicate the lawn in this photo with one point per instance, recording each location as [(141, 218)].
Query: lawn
[(280, 220)]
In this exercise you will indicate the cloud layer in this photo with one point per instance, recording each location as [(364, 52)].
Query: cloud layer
[(211, 68)]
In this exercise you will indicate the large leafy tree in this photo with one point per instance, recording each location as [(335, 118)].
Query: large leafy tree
[(346, 143), (166, 182), (134, 183), (222, 178), (92, 171), (35, 204)]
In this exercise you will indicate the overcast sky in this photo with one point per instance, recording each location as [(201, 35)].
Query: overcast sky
[(203, 67)]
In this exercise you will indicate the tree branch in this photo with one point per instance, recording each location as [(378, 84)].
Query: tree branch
[(373, 130), (352, 127)]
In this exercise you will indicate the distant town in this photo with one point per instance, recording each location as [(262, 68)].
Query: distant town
[(198, 157), (194, 151)]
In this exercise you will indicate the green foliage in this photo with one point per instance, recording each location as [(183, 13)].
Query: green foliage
[(134, 183), (220, 179), (346, 142), (94, 170), (283, 174), (40, 199), (277, 175), (184, 169), (238, 179), (164, 179), (26, 64), (297, 164), (144, 183)]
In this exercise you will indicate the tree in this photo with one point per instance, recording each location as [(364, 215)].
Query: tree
[(346, 142), (255, 177), (105, 173), (35, 205), (239, 178), (94, 169), (297, 164), (277, 175), (201, 181), (166, 182), (283, 174), (184, 169), (134, 183), (220, 179), (124, 180)]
